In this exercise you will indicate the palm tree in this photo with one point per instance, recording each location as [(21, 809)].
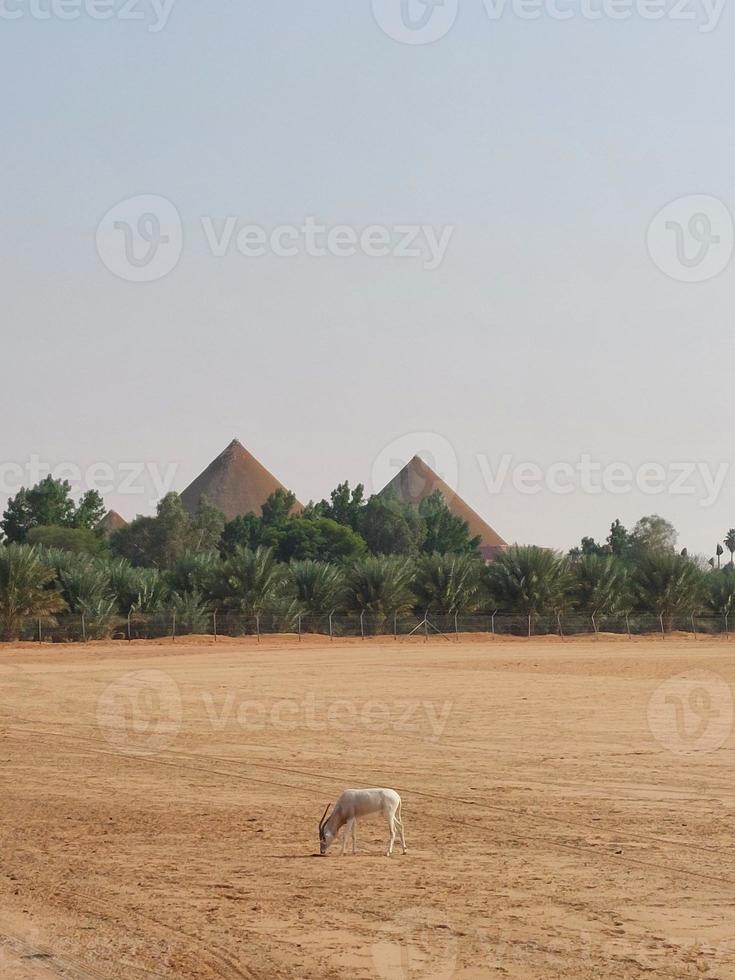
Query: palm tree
[(529, 580), (249, 581), (85, 586), (380, 586), (447, 584), (721, 588), (730, 545), (25, 592), (601, 586), (666, 584), (193, 572), (317, 585)]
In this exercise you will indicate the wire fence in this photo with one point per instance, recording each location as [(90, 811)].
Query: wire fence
[(72, 628)]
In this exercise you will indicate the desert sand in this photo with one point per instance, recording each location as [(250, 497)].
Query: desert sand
[(569, 809)]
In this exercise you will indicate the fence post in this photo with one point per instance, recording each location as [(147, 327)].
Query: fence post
[(727, 625), (395, 624), (331, 634), (173, 626), (493, 622), (529, 627), (130, 632), (694, 627), (456, 626), (426, 626), (362, 623), (257, 625), (558, 623), (627, 626), (40, 632), (661, 620), (214, 624), (594, 626), (84, 630), (299, 627)]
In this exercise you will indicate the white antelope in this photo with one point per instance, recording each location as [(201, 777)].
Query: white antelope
[(354, 803)]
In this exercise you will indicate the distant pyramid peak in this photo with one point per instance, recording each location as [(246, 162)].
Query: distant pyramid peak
[(417, 481), (236, 482), (111, 522)]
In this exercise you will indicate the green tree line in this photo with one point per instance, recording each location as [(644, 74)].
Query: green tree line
[(323, 561)]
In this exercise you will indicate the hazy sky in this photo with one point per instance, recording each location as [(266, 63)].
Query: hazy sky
[(547, 331)]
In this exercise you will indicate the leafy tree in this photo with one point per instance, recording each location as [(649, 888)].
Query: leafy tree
[(48, 503), (77, 540), (618, 540), (445, 533), (653, 533), (447, 584), (159, 541), (245, 531), (24, 589), (207, 526), (318, 538), (529, 580), (345, 506), (278, 507), (89, 511), (391, 527), (590, 547), (317, 586)]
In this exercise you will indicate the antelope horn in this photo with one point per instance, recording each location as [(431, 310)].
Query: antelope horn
[(321, 822)]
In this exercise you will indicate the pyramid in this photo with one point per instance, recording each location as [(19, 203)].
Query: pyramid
[(111, 522), (416, 481), (235, 482)]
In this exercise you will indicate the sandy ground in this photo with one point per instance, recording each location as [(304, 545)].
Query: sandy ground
[(569, 809)]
